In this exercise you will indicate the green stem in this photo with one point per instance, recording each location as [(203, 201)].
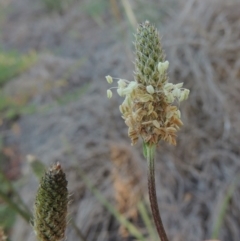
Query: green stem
[(152, 193)]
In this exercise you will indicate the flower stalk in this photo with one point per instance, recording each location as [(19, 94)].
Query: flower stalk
[(150, 155)]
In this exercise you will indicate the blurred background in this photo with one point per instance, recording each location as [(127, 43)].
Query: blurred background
[(54, 56)]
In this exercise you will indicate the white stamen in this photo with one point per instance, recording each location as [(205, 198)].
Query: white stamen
[(186, 93), (109, 79), (176, 93), (122, 83), (150, 89), (120, 92), (109, 94), (168, 86), (179, 85), (163, 66)]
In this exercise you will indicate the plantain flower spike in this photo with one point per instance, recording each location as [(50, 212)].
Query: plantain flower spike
[(148, 108), (50, 210)]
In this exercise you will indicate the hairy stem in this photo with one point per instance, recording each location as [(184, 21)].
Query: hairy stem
[(152, 194)]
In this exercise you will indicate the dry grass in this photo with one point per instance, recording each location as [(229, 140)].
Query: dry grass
[(203, 46), (127, 181), (202, 43)]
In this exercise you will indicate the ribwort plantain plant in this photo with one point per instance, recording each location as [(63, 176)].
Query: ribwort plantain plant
[(148, 108)]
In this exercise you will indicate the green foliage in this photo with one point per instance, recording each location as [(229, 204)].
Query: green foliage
[(10, 109), (96, 9), (217, 227), (56, 5), (11, 199), (13, 63), (7, 216), (7, 106)]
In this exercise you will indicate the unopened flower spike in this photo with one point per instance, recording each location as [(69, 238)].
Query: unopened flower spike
[(50, 209)]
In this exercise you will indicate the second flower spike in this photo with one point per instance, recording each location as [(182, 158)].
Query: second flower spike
[(50, 210)]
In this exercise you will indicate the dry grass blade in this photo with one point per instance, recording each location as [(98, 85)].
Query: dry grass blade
[(129, 226), (126, 177), (147, 221), (130, 14)]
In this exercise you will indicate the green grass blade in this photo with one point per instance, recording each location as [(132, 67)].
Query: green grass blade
[(147, 220), (223, 209)]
